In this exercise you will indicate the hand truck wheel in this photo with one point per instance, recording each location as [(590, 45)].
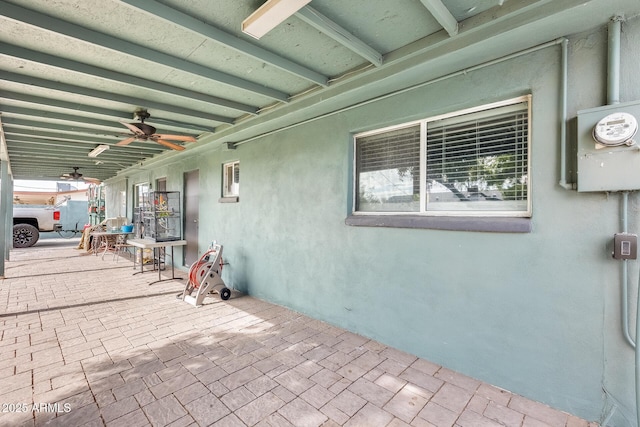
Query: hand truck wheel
[(225, 294)]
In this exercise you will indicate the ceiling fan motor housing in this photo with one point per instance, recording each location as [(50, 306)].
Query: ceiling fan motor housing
[(145, 128)]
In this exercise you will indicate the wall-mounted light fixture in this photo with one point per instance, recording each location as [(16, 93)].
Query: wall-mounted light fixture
[(269, 15), (99, 149)]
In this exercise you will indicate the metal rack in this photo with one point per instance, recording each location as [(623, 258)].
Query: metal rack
[(160, 216)]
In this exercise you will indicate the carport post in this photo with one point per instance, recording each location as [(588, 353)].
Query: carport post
[(6, 213)]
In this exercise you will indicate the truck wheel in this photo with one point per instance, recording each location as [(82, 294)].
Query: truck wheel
[(25, 235)]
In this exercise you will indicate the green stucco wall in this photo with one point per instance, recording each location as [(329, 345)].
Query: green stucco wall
[(536, 313)]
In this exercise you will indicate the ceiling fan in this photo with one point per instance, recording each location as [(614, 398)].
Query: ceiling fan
[(77, 176), (143, 132)]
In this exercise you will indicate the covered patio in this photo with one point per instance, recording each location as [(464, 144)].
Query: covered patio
[(83, 341), (423, 191)]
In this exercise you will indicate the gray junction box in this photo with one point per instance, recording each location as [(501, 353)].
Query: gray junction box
[(609, 168)]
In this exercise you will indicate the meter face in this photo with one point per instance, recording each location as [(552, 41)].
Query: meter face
[(615, 129)]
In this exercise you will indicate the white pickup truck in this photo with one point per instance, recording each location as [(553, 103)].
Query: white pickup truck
[(30, 220)]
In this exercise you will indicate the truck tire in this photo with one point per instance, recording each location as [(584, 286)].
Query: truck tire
[(25, 235)]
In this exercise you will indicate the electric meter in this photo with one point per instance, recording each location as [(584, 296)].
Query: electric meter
[(608, 148), (616, 129)]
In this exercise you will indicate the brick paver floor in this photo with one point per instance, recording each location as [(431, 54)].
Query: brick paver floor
[(84, 342)]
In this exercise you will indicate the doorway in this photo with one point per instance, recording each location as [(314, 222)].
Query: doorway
[(161, 184), (191, 215)]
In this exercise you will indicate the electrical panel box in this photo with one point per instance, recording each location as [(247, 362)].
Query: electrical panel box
[(608, 153), (161, 218), (625, 246)]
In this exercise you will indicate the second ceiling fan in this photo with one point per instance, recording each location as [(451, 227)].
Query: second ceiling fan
[(143, 132), (77, 176)]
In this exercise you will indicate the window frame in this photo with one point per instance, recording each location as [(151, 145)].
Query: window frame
[(229, 193), (140, 194), (423, 208)]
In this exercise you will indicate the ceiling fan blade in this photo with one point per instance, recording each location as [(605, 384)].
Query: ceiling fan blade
[(133, 128), (184, 138), (92, 180), (169, 144), (126, 141)]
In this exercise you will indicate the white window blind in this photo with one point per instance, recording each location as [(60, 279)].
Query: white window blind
[(479, 161), (388, 166)]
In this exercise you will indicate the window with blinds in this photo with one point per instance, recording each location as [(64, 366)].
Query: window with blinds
[(474, 162)]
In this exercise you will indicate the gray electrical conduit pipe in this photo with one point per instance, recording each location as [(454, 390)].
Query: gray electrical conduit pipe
[(625, 276), (408, 89), (563, 120)]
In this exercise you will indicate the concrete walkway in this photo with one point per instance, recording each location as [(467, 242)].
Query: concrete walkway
[(83, 341)]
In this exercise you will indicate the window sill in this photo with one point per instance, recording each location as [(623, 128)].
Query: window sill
[(486, 224), (229, 199)]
